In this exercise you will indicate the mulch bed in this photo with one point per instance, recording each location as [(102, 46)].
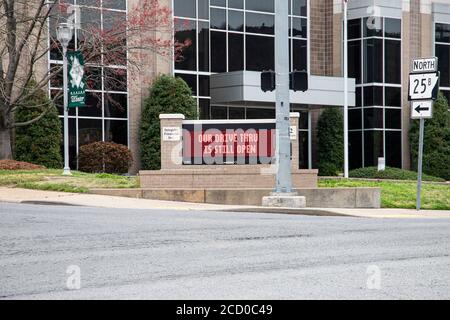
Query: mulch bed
[(18, 165)]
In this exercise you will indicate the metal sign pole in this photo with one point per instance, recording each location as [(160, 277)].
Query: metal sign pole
[(419, 167), (346, 160), (283, 143)]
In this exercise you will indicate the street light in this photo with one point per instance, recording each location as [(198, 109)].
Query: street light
[(64, 35)]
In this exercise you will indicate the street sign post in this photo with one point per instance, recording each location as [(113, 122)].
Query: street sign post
[(423, 90)]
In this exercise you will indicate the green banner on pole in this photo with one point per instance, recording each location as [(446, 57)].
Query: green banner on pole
[(77, 80)]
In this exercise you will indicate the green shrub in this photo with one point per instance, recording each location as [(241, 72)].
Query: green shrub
[(330, 145), (436, 152), (38, 142), (390, 174), (167, 95), (104, 157)]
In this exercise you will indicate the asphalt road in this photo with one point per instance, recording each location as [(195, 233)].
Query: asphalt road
[(154, 254)]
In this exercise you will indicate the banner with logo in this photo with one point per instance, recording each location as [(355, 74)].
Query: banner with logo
[(77, 80)]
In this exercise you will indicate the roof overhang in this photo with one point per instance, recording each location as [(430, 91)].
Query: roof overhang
[(244, 87)]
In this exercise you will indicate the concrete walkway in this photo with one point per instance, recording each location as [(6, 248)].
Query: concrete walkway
[(16, 195)]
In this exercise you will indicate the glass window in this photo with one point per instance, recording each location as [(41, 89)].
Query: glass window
[(299, 28), (191, 80), (355, 119), (303, 152), (89, 131), (393, 61), (260, 53), (259, 23), (184, 8), (93, 106), (373, 147), (116, 131), (203, 9), (235, 20), (235, 52), (260, 113), (115, 79), (442, 32), (185, 30), (300, 55), (218, 52), (116, 105), (373, 27), (354, 29), (237, 4), (299, 8), (394, 149), (94, 77), (219, 113), (393, 28), (219, 3), (373, 96), (373, 118), (373, 60), (204, 109), (218, 19), (203, 82), (354, 60), (443, 53), (203, 46), (392, 97), (355, 149), (236, 113), (393, 118), (260, 5)]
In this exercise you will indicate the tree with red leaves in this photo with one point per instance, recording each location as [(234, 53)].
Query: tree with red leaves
[(26, 39)]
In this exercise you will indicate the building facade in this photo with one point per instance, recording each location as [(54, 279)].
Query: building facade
[(233, 41)]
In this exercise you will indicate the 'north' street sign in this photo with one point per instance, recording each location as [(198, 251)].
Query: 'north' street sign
[(423, 86), (425, 65), (422, 109)]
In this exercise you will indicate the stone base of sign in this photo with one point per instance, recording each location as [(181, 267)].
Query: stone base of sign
[(286, 200), (315, 197), (242, 177)]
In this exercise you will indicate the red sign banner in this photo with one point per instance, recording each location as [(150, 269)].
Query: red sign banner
[(228, 143)]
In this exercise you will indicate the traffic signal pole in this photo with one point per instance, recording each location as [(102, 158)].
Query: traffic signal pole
[(283, 142)]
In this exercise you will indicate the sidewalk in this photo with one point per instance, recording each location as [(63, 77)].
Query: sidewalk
[(16, 195)]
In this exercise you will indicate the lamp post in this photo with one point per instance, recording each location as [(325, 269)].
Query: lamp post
[(64, 34)]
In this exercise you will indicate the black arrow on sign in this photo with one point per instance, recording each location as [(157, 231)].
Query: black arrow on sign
[(419, 109)]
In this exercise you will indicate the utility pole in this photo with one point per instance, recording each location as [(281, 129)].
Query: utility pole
[(283, 142), (346, 173)]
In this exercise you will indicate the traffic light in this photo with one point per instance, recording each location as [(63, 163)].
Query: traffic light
[(268, 80), (298, 80)]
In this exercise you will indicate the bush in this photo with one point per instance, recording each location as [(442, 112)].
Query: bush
[(104, 157), (390, 174), (18, 165), (39, 142), (330, 145), (436, 152), (167, 95)]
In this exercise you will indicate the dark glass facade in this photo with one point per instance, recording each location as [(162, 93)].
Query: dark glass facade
[(442, 48), (375, 62), (236, 35)]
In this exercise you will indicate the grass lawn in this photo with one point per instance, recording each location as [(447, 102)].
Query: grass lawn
[(401, 194), (53, 180)]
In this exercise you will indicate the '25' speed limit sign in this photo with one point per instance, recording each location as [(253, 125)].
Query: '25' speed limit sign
[(423, 86)]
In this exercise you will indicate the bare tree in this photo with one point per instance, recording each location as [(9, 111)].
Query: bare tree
[(27, 37)]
